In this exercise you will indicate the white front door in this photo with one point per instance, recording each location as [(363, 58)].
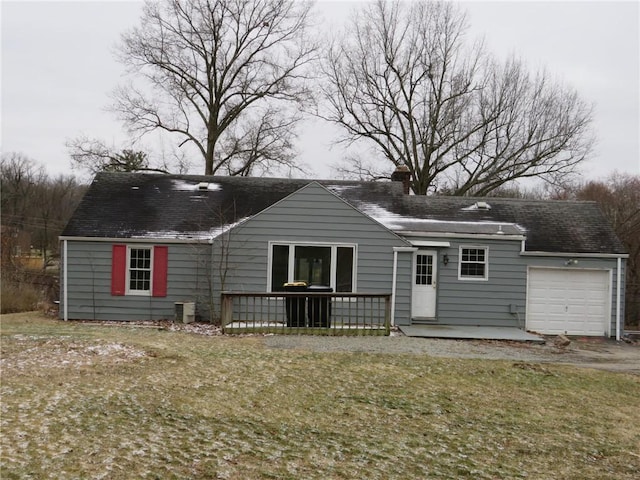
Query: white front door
[(423, 302)]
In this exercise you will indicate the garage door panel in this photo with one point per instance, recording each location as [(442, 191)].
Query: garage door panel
[(568, 301)]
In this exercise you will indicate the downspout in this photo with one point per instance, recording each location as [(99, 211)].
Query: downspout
[(65, 295), (210, 286), (618, 295), (393, 287)]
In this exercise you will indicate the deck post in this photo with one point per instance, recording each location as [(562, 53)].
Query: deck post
[(387, 314), (226, 305)]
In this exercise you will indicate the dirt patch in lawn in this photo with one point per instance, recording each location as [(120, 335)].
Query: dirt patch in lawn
[(29, 353)]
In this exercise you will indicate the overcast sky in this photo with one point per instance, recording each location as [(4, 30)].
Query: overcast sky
[(58, 68)]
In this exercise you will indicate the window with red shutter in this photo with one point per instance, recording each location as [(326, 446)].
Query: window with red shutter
[(137, 270)]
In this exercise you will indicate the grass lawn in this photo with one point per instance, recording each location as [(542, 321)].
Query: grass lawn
[(87, 401)]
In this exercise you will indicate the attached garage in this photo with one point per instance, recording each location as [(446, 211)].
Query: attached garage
[(569, 301)]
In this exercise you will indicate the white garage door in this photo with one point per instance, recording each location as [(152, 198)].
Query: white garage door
[(568, 301)]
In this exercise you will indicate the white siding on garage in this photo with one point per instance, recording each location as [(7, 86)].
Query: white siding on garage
[(568, 301)]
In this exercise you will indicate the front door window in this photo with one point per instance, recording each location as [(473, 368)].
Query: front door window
[(424, 269)]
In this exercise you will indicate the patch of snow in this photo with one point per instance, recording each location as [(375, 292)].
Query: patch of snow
[(190, 235), (339, 188), (484, 206), (175, 235), (184, 186), (216, 232), (396, 222)]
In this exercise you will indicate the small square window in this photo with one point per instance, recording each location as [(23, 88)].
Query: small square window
[(473, 263)]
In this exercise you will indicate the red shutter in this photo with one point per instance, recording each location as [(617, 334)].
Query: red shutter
[(160, 263), (119, 270)]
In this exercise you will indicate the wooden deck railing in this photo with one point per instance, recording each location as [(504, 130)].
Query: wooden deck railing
[(306, 313)]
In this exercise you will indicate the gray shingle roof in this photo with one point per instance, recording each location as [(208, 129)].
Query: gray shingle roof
[(135, 205)]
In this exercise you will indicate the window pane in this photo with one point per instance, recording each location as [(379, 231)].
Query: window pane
[(279, 267), (140, 269), (473, 262), (313, 265), (424, 269), (344, 266)]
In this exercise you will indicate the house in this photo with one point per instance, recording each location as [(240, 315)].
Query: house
[(139, 243)]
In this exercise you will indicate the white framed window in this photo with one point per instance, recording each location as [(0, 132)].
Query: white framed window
[(332, 265), (473, 263), (139, 268)]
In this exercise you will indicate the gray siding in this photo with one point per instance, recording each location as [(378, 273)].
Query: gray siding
[(403, 288), (483, 302), (312, 214), (89, 283), (489, 303)]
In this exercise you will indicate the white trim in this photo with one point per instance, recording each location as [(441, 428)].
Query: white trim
[(468, 236), (486, 263), (618, 297), (405, 249), (65, 282), (578, 255), (333, 266), (394, 278), (139, 293), (429, 243), (147, 241)]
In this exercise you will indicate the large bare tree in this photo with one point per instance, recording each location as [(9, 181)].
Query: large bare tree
[(404, 80), (218, 69)]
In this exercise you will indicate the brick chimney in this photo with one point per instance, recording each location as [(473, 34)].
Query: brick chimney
[(402, 174)]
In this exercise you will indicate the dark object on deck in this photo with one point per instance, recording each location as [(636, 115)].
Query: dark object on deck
[(319, 307), (295, 306)]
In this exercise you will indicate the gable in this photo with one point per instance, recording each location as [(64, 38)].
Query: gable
[(313, 213)]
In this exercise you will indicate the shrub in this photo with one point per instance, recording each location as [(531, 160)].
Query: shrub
[(18, 297)]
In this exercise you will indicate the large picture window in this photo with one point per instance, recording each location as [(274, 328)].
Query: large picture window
[(473, 263), (327, 265)]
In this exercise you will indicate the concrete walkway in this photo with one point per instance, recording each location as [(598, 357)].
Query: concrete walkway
[(476, 333)]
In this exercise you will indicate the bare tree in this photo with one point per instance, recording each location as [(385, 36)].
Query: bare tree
[(94, 155), (217, 68), (619, 198), (404, 80), (35, 206)]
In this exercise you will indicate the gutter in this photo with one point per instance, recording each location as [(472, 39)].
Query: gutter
[(468, 236), (65, 278), (577, 255), (393, 287), (149, 240)]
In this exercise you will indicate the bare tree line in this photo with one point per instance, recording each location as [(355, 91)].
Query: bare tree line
[(230, 80), (34, 204)]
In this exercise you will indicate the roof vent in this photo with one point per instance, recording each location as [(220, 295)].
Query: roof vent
[(203, 186)]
